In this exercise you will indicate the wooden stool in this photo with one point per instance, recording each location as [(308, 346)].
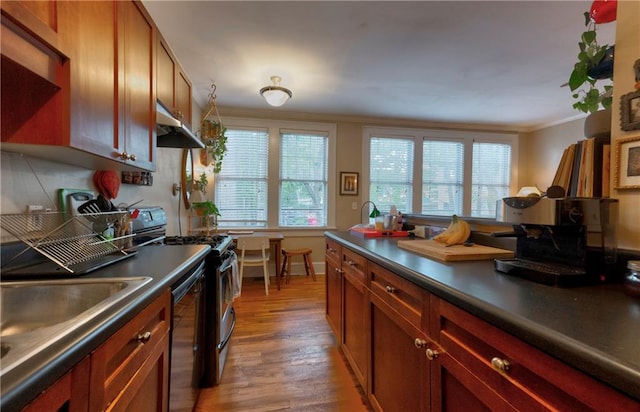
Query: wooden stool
[(286, 264)]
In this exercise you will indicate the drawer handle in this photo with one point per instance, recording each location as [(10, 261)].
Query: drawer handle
[(338, 271), (143, 337), (432, 354), (420, 343), (500, 365), (390, 289), (351, 263)]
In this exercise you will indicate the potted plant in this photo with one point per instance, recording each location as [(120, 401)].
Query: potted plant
[(212, 134), (595, 63), (205, 208)]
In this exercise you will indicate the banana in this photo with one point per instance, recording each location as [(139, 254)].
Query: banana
[(457, 232)]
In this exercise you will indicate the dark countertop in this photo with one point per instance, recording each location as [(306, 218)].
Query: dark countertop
[(595, 329), (165, 264)]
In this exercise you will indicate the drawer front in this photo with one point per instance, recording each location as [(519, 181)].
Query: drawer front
[(333, 252), (406, 298), (355, 265), (116, 361), (528, 378)]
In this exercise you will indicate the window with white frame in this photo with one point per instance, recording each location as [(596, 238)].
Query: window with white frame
[(442, 177), (277, 174), (391, 172), (303, 179), (448, 172), (491, 177), (241, 185)]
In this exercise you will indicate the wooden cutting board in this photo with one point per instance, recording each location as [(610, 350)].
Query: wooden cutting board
[(432, 249)]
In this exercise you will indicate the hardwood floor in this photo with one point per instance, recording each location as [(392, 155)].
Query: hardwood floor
[(283, 355)]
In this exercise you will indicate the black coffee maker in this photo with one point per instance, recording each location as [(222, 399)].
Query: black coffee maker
[(565, 242)]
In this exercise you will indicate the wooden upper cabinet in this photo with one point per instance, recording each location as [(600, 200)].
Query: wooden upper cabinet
[(173, 85), (38, 17), (165, 74), (136, 87), (94, 92), (35, 75), (89, 33)]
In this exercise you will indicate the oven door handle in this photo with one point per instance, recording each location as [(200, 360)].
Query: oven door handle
[(224, 341)]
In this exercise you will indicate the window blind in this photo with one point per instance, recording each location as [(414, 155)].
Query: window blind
[(303, 179), (491, 177), (442, 177), (241, 185), (391, 172)]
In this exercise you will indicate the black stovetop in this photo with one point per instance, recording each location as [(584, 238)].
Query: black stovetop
[(219, 243)]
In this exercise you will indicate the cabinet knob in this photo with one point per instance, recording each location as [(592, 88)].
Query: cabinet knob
[(143, 337), (420, 343), (351, 263), (432, 354), (500, 365), (390, 289), (127, 156)]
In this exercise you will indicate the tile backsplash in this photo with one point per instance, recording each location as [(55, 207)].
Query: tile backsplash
[(32, 181)]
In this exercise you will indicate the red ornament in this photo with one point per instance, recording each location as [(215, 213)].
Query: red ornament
[(603, 11)]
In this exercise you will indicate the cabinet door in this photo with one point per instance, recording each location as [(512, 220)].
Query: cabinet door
[(356, 329), (173, 85), (88, 31), (147, 390), (399, 374), (131, 367), (355, 314), (166, 74), (136, 90), (183, 97), (70, 393), (333, 280)]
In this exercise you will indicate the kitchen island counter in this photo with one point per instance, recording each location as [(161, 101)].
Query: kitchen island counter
[(164, 264), (595, 329)]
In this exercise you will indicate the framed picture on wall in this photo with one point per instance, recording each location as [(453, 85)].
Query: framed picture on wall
[(630, 111), (348, 183), (628, 163)]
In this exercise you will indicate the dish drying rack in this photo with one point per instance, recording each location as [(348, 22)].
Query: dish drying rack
[(68, 240)]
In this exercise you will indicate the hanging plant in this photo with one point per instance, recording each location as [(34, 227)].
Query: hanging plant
[(215, 141), (212, 133), (595, 62)]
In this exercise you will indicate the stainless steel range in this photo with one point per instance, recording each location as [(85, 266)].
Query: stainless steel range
[(220, 316)]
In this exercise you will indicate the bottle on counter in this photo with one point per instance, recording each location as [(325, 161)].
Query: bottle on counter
[(399, 222)]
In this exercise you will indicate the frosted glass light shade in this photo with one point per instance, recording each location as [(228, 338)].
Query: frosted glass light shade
[(276, 95)]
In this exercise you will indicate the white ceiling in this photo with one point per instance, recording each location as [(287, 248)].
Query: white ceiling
[(487, 62)]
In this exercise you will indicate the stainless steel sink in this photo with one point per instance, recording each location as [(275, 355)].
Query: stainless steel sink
[(34, 314)]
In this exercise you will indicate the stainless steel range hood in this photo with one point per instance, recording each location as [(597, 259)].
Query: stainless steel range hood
[(173, 133)]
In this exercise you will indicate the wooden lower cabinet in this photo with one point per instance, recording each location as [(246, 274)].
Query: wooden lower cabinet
[(333, 279), (70, 393), (425, 354), (399, 378), (355, 333), (485, 364), (130, 370)]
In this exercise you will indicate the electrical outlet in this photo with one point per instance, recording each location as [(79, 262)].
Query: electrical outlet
[(34, 218)]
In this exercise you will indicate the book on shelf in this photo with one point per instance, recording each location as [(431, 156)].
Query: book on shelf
[(584, 168)]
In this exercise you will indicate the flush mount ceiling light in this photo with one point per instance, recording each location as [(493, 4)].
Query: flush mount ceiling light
[(275, 94)]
